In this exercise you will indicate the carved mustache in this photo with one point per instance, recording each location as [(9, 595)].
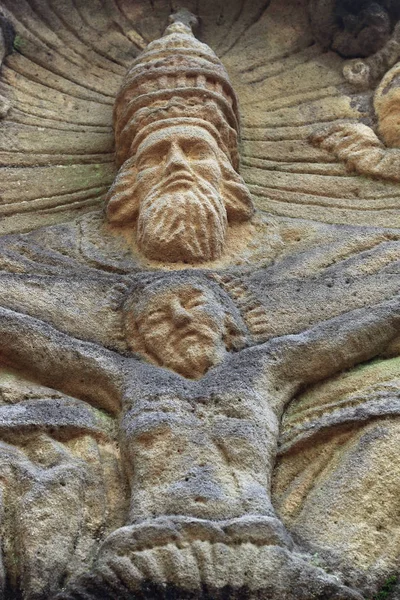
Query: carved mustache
[(177, 335), (176, 177), (181, 175), (198, 225), (176, 343)]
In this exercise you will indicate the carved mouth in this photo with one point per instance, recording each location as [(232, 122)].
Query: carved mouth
[(190, 335), (179, 179)]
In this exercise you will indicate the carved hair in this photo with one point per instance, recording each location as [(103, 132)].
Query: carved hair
[(253, 312)]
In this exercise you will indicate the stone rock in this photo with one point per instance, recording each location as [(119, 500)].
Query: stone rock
[(199, 299)]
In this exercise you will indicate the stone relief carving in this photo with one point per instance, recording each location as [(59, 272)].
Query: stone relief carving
[(347, 421), (150, 398), (360, 149), (198, 456), (356, 144), (176, 127), (52, 467), (189, 327), (365, 72)]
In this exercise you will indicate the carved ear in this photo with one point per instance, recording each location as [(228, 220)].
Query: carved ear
[(121, 200), (238, 203)]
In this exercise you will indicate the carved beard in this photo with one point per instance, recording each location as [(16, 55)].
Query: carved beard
[(189, 351), (182, 223)]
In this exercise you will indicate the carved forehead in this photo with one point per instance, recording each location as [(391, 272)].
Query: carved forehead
[(177, 133), (161, 297)]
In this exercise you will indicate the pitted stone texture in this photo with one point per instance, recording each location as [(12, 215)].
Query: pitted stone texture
[(202, 449), (308, 286), (194, 559), (360, 148), (61, 486), (338, 456), (188, 327), (61, 122)]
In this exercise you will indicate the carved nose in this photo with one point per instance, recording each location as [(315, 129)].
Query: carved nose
[(176, 159), (180, 315)]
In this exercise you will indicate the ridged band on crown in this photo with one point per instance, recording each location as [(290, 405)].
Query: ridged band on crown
[(176, 77)]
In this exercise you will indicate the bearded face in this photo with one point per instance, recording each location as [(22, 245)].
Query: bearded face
[(182, 216), (182, 329), (181, 189)]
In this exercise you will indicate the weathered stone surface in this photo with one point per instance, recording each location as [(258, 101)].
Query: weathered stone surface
[(198, 400)]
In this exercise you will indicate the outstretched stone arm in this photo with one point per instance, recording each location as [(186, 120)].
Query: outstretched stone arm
[(360, 149), (336, 344), (81, 369)]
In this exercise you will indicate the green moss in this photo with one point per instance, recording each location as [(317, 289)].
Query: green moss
[(102, 416), (387, 588), (8, 375), (18, 43)]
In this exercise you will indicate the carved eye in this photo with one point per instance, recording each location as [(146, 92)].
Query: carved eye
[(156, 315), (199, 151), (153, 156), (149, 161), (152, 318)]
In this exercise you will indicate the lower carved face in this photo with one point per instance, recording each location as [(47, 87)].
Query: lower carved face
[(182, 216), (182, 329)]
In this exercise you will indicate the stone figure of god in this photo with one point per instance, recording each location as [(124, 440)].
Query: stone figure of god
[(176, 126)]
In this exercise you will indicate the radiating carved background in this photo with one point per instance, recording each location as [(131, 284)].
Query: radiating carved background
[(69, 59)]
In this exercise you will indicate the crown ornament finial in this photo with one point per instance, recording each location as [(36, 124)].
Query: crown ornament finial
[(182, 17)]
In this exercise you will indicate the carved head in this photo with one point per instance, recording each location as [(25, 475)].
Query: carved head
[(184, 325), (176, 126)]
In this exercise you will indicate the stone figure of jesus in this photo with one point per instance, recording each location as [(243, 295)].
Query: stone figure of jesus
[(198, 453)]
